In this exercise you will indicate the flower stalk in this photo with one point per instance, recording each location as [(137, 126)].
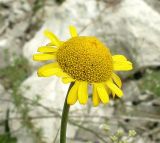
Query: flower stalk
[(64, 118)]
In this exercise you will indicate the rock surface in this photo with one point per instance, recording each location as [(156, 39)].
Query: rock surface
[(13, 28), (134, 33), (51, 94), (155, 4), (129, 27)]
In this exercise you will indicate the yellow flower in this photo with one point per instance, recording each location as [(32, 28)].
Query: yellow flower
[(84, 60)]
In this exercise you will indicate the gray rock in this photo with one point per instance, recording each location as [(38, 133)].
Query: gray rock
[(155, 4), (123, 27), (51, 94), (128, 27), (13, 28), (131, 90)]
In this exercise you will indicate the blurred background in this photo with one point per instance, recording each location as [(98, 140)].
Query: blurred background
[(30, 107)]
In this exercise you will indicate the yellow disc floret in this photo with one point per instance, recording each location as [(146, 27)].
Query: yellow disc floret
[(85, 59)]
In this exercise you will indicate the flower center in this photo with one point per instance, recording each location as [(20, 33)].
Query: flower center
[(85, 59)]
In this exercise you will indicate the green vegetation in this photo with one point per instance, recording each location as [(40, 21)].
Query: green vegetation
[(119, 136), (14, 74), (5, 139), (12, 77), (150, 82), (38, 4)]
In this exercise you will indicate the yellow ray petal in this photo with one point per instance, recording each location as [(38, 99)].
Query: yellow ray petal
[(83, 92), (52, 37), (51, 45), (95, 97), (51, 65), (47, 49), (49, 70), (122, 66), (114, 88), (53, 69), (73, 31), (73, 94), (117, 80), (103, 95), (60, 73), (67, 80), (119, 58), (43, 57)]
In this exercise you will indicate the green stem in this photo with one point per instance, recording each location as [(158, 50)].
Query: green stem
[(64, 118)]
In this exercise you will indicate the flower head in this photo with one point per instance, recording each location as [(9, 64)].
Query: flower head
[(84, 60)]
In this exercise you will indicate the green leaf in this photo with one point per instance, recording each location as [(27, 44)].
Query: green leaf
[(7, 139)]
